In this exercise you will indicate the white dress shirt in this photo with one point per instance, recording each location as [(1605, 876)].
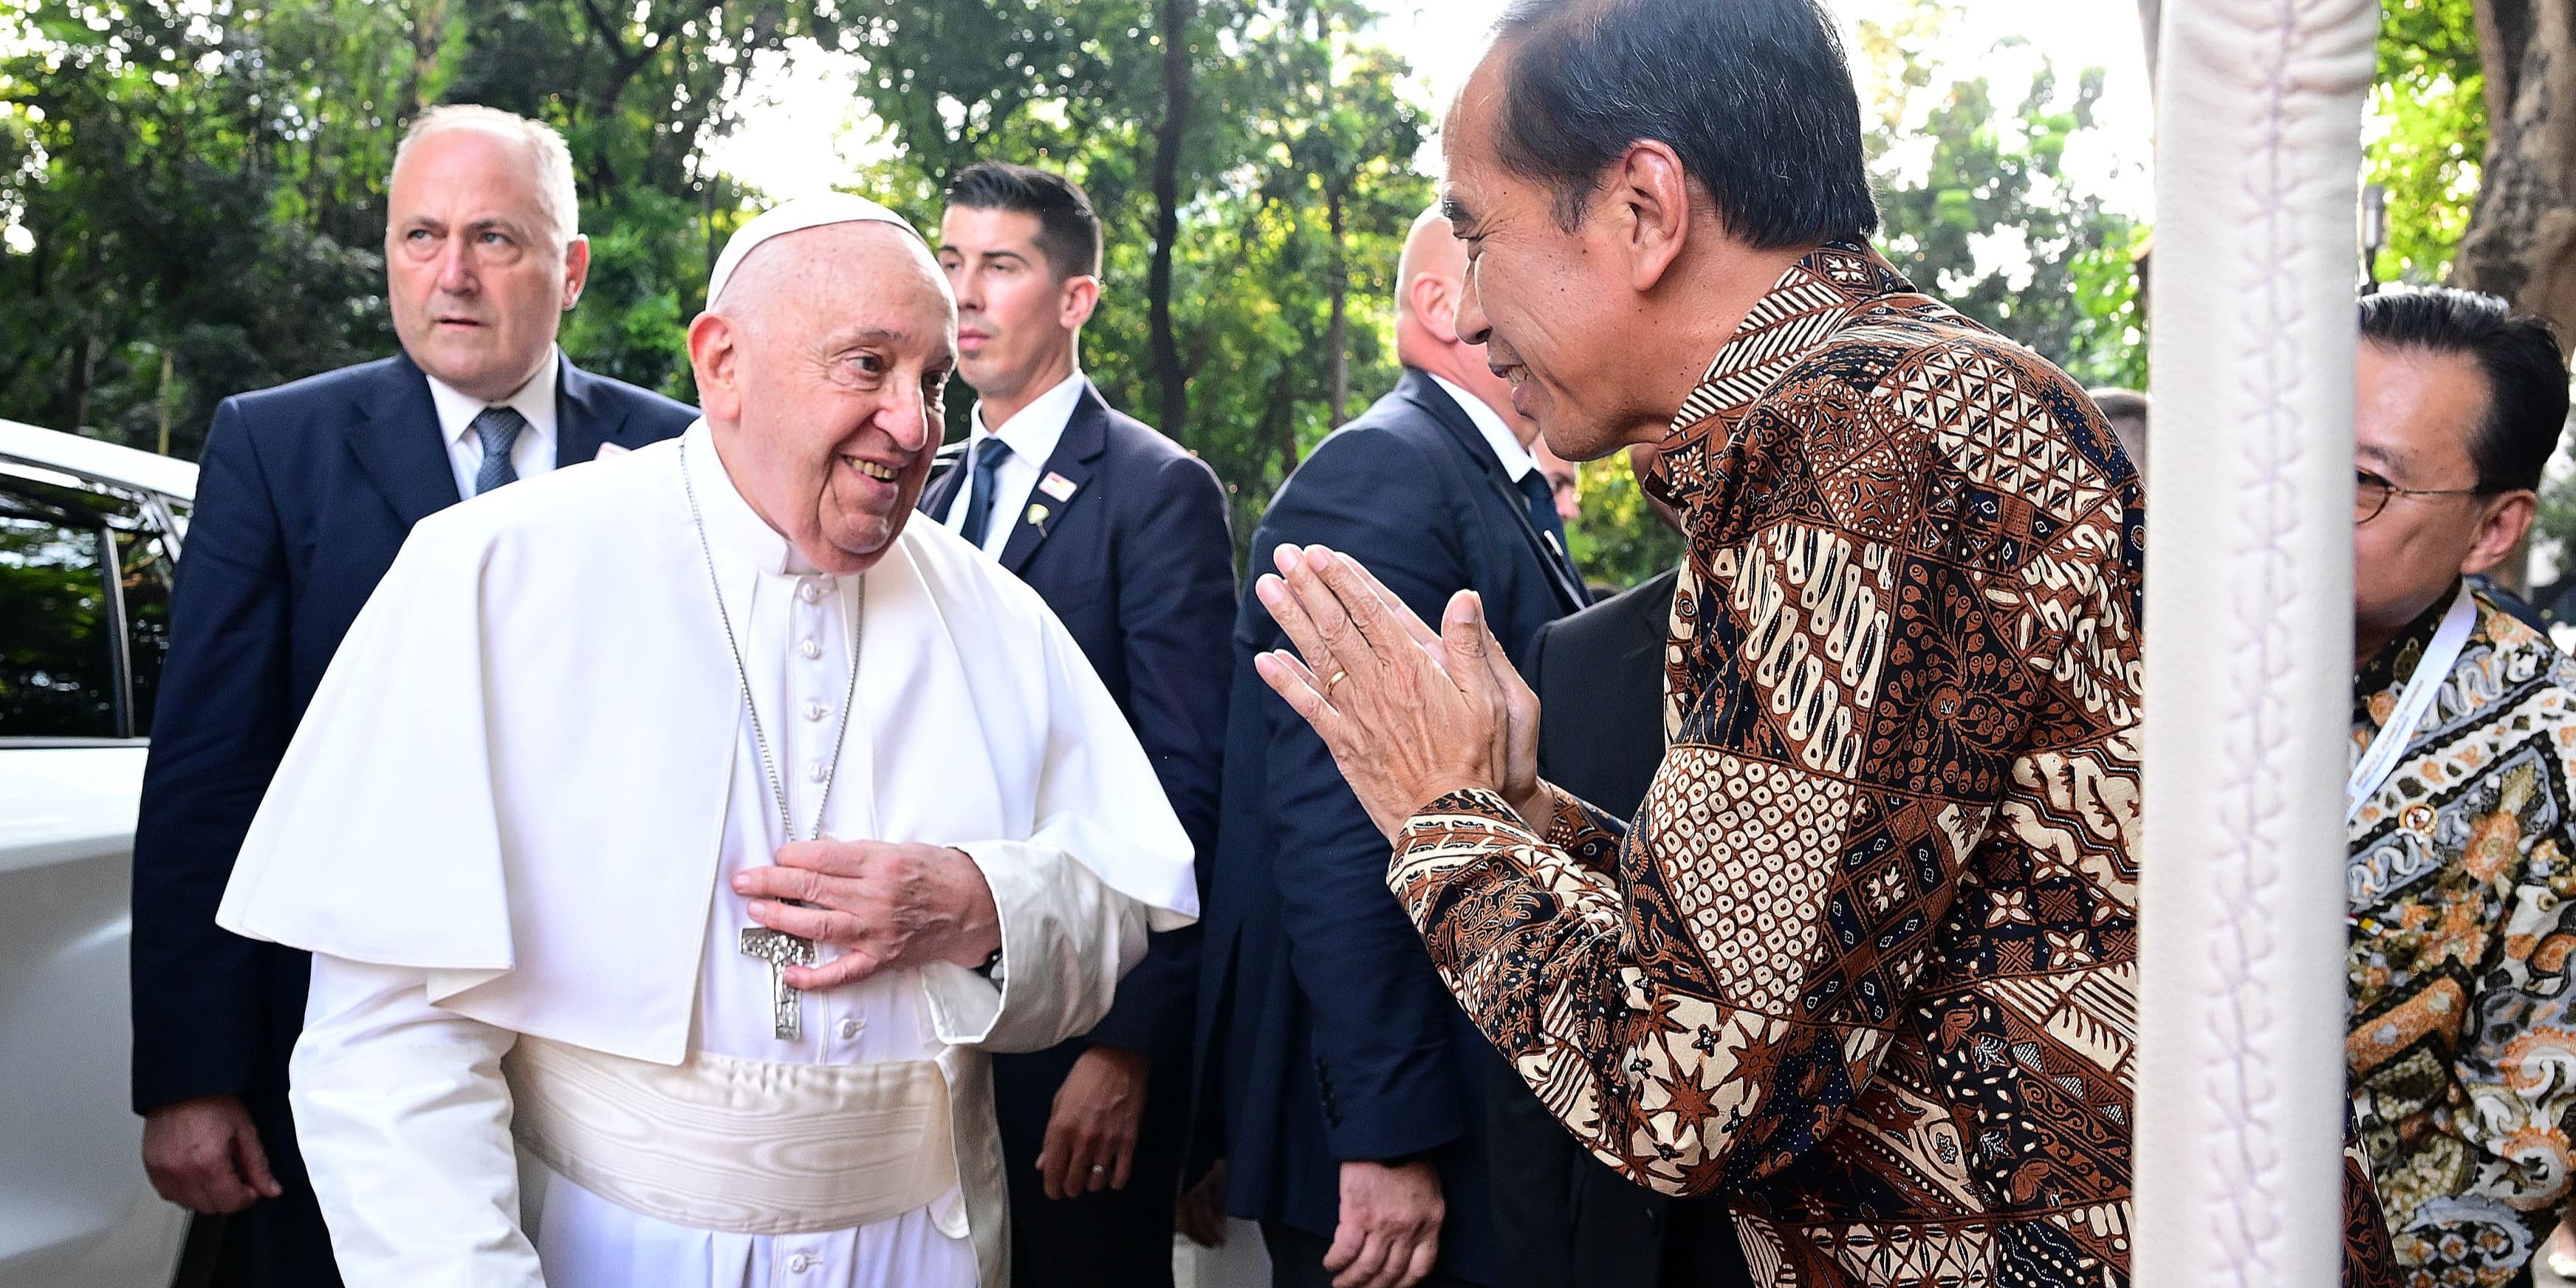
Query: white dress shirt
[(532, 453), (1516, 459), (1031, 434)]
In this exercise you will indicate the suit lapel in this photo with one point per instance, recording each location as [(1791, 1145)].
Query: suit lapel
[(1471, 440), (947, 469), (399, 446), (584, 419), (1077, 453)]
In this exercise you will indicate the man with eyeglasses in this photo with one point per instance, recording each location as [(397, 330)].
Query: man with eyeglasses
[(2462, 1045)]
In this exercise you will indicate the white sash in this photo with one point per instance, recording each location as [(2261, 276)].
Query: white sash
[(2389, 746), (742, 1146)]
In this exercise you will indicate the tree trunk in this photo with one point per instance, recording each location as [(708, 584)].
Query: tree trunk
[(1339, 332), (2521, 240), (1171, 381)]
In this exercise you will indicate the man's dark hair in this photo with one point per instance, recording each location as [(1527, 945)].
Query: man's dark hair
[(1068, 231), (2518, 354), (1754, 96)]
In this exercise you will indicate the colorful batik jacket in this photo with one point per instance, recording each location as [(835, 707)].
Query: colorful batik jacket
[(2462, 1048), (1867, 955)]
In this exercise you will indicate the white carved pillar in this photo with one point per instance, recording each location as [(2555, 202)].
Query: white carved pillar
[(2248, 642)]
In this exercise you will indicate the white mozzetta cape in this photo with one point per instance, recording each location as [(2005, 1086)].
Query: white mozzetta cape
[(515, 775)]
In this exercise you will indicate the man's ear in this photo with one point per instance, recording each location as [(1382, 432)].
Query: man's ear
[(576, 271), (715, 355), (1650, 194), (1434, 300), (2501, 526), (1076, 300)]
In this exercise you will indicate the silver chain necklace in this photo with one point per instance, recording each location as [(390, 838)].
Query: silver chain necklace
[(776, 947)]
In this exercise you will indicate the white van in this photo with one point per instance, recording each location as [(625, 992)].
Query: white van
[(89, 536)]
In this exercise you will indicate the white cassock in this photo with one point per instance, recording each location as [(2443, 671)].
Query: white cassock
[(507, 828)]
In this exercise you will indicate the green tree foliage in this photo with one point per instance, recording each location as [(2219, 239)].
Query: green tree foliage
[(203, 181), (195, 191), (1978, 207), (192, 193), (2426, 133), (1291, 186)]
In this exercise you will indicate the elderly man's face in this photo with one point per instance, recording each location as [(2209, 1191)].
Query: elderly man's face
[(822, 372), (479, 274), (1544, 302)]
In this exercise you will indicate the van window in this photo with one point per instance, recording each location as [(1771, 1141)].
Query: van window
[(85, 578), (58, 671)]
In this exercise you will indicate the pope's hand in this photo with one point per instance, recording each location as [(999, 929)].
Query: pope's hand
[(882, 903), (1408, 714)]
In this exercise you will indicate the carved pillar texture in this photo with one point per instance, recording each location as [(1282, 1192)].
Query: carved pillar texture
[(2248, 642)]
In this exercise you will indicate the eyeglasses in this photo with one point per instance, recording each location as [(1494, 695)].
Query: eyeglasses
[(2370, 494)]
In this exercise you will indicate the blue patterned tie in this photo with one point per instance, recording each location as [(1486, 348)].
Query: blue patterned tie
[(496, 428), (988, 453)]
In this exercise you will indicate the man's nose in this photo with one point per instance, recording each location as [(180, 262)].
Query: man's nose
[(905, 417), (456, 267), (1471, 324)]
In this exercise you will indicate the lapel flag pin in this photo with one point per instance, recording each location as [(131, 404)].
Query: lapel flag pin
[(607, 450), (1038, 514), (1057, 486)]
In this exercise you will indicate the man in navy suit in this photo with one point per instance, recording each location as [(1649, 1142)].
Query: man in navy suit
[(1124, 535), (305, 493), (1352, 1085)]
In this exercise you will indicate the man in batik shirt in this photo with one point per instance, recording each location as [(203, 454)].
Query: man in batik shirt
[(2463, 1046), (1866, 957)]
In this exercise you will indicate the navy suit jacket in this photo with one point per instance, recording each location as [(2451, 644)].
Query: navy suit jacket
[(304, 493), (1326, 1032), (1138, 563)]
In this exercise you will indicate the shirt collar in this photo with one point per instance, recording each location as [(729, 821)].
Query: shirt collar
[(2394, 663), (1031, 432), (736, 534), (1516, 459), (534, 401), (1811, 303)]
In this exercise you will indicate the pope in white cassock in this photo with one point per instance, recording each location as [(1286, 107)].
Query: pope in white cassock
[(590, 1006)]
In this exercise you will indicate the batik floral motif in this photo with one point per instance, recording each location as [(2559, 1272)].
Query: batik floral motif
[(2462, 1045), (1867, 955)]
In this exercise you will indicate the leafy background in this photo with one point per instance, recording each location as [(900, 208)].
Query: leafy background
[(192, 191)]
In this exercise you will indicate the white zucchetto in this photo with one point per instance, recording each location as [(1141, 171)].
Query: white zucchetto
[(795, 216)]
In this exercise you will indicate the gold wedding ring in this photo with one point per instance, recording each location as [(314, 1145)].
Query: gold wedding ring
[(1337, 678)]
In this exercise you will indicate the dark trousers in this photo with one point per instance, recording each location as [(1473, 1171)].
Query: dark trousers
[(1108, 1239), (1565, 1219), (1297, 1260)]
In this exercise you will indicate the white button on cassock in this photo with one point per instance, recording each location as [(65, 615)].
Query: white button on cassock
[(811, 592), (811, 649), (799, 1264), (818, 771), (815, 710), (850, 1029)]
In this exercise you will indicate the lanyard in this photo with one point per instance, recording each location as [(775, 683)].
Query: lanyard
[(2435, 667)]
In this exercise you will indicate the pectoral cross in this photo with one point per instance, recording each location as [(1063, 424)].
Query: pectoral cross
[(781, 950)]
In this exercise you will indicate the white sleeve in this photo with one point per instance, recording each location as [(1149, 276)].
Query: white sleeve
[(1067, 938), (1073, 921), (405, 1125)]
